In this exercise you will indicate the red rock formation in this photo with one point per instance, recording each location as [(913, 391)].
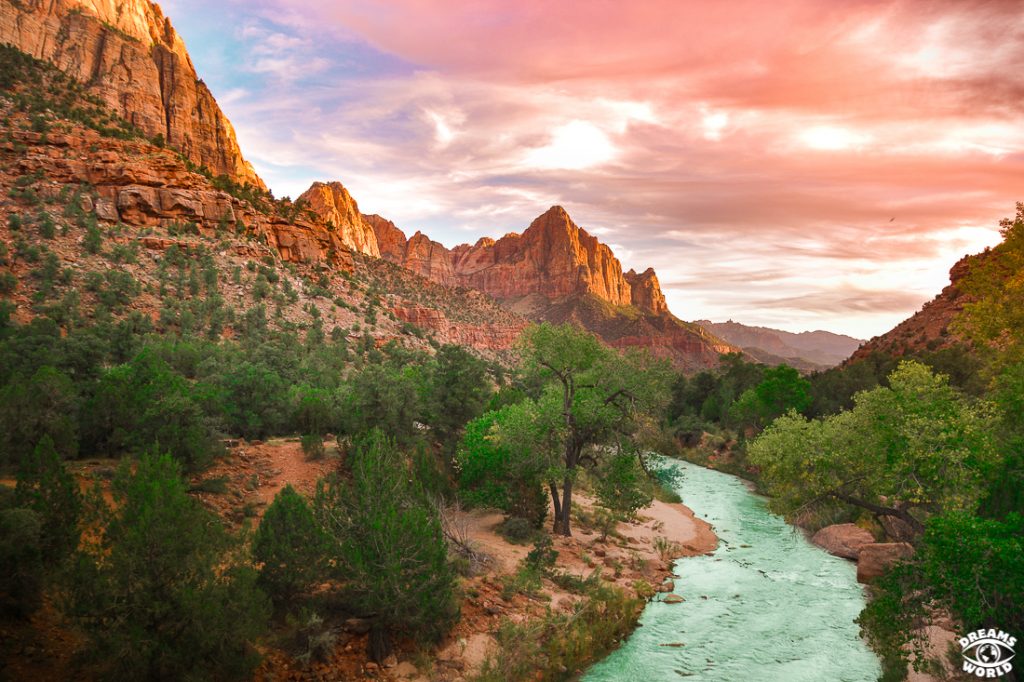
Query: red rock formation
[(429, 259), (479, 336), (645, 292), (130, 56), (390, 240), (337, 210)]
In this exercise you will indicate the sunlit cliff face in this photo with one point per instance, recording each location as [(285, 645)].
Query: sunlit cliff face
[(799, 163)]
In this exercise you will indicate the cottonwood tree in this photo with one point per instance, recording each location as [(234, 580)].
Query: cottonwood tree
[(904, 452), (598, 395)]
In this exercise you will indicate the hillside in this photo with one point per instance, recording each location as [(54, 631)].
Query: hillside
[(805, 350), (94, 210)]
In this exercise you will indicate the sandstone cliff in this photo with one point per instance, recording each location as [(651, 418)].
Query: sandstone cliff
[(645, 291), (130, 56), (337, 210)]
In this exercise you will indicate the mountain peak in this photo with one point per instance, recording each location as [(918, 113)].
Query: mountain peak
[(332, 203), (129, 55)]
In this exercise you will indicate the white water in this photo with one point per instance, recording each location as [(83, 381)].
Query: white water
[(779, 609)]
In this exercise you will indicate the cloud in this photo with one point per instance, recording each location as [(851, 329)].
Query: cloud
[(803, 163)]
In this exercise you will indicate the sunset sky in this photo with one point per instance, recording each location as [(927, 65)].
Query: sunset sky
[(798, 164)]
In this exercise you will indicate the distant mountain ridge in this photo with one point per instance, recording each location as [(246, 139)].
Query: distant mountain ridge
[(816, 348)]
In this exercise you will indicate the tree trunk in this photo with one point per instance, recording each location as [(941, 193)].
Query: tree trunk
[(566, 506), (378, 645), (557, 505)]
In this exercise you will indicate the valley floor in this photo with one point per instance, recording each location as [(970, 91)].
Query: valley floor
[(637, 556)]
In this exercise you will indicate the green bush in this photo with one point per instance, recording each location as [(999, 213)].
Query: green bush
[(21, 556), (46, 487), (621, 485), (313, 446), (388, 546), (289, 547), (164, 592)]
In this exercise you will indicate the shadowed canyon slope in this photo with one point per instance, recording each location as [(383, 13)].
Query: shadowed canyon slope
[(130, 56)]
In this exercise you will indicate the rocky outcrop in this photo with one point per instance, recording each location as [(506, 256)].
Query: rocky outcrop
[(130, 56), (553, 258), (390, 240), (489, 336), (843, 540), (645, 292), (877, 558), (335, 208), (142, 185), (429, 259)]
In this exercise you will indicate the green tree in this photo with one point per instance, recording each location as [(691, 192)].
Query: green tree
[(289, 547), (598, 393), (506, 457), (904, 452), (383, 397), (457, 391), (621, 485), (44, 405), (388, 546), (164, 593), (21, 556), (781, 389), (46, 487)]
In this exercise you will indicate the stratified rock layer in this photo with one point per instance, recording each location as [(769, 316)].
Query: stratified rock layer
[(130, 56)]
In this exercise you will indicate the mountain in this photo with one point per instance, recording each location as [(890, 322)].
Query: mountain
[(809, 350), (556, 271), (929, 328), (128, 54), (111, 216), (335, 207)]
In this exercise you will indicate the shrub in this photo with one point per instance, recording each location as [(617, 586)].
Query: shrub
[(46, 487), (620, 485), (313, 446), (21, 556), (289, 547), (389, 547), (162, 593)]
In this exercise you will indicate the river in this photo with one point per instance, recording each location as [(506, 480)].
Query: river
[(766, 606)]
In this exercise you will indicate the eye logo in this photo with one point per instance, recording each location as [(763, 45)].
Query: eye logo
[(987, 653)]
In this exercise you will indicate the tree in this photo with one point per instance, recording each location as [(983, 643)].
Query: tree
[(388, 547), (163, 593), (21, 556), (45, 405), (383, 397), (620, 485), (289, 547), (45, 487), (598, 394), (506, 457), (457, 391), (781, 389), (902, 453)]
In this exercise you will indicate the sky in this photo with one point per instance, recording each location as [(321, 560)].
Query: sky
[(799, 164)]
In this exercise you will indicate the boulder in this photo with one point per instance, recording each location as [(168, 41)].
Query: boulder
[(843, 540), (673, 599), (878, 557)]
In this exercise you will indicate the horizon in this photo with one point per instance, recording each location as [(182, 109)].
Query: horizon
[(803, 167)]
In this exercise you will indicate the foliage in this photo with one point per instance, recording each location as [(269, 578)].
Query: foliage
[(620, 485), (289, 547), (45, 487), (44, 405), (21, 556), (913, 449), (457, 391), (163, 594), (780, 390), (388, 548)]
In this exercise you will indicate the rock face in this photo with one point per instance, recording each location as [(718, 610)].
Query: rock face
[(645, 291), (556, 271), (130, 56), (877, 558), (337, 210), (843, 540), (553, 258)]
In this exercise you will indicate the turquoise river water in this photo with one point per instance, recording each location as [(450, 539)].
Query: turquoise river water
[(767, 606)]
